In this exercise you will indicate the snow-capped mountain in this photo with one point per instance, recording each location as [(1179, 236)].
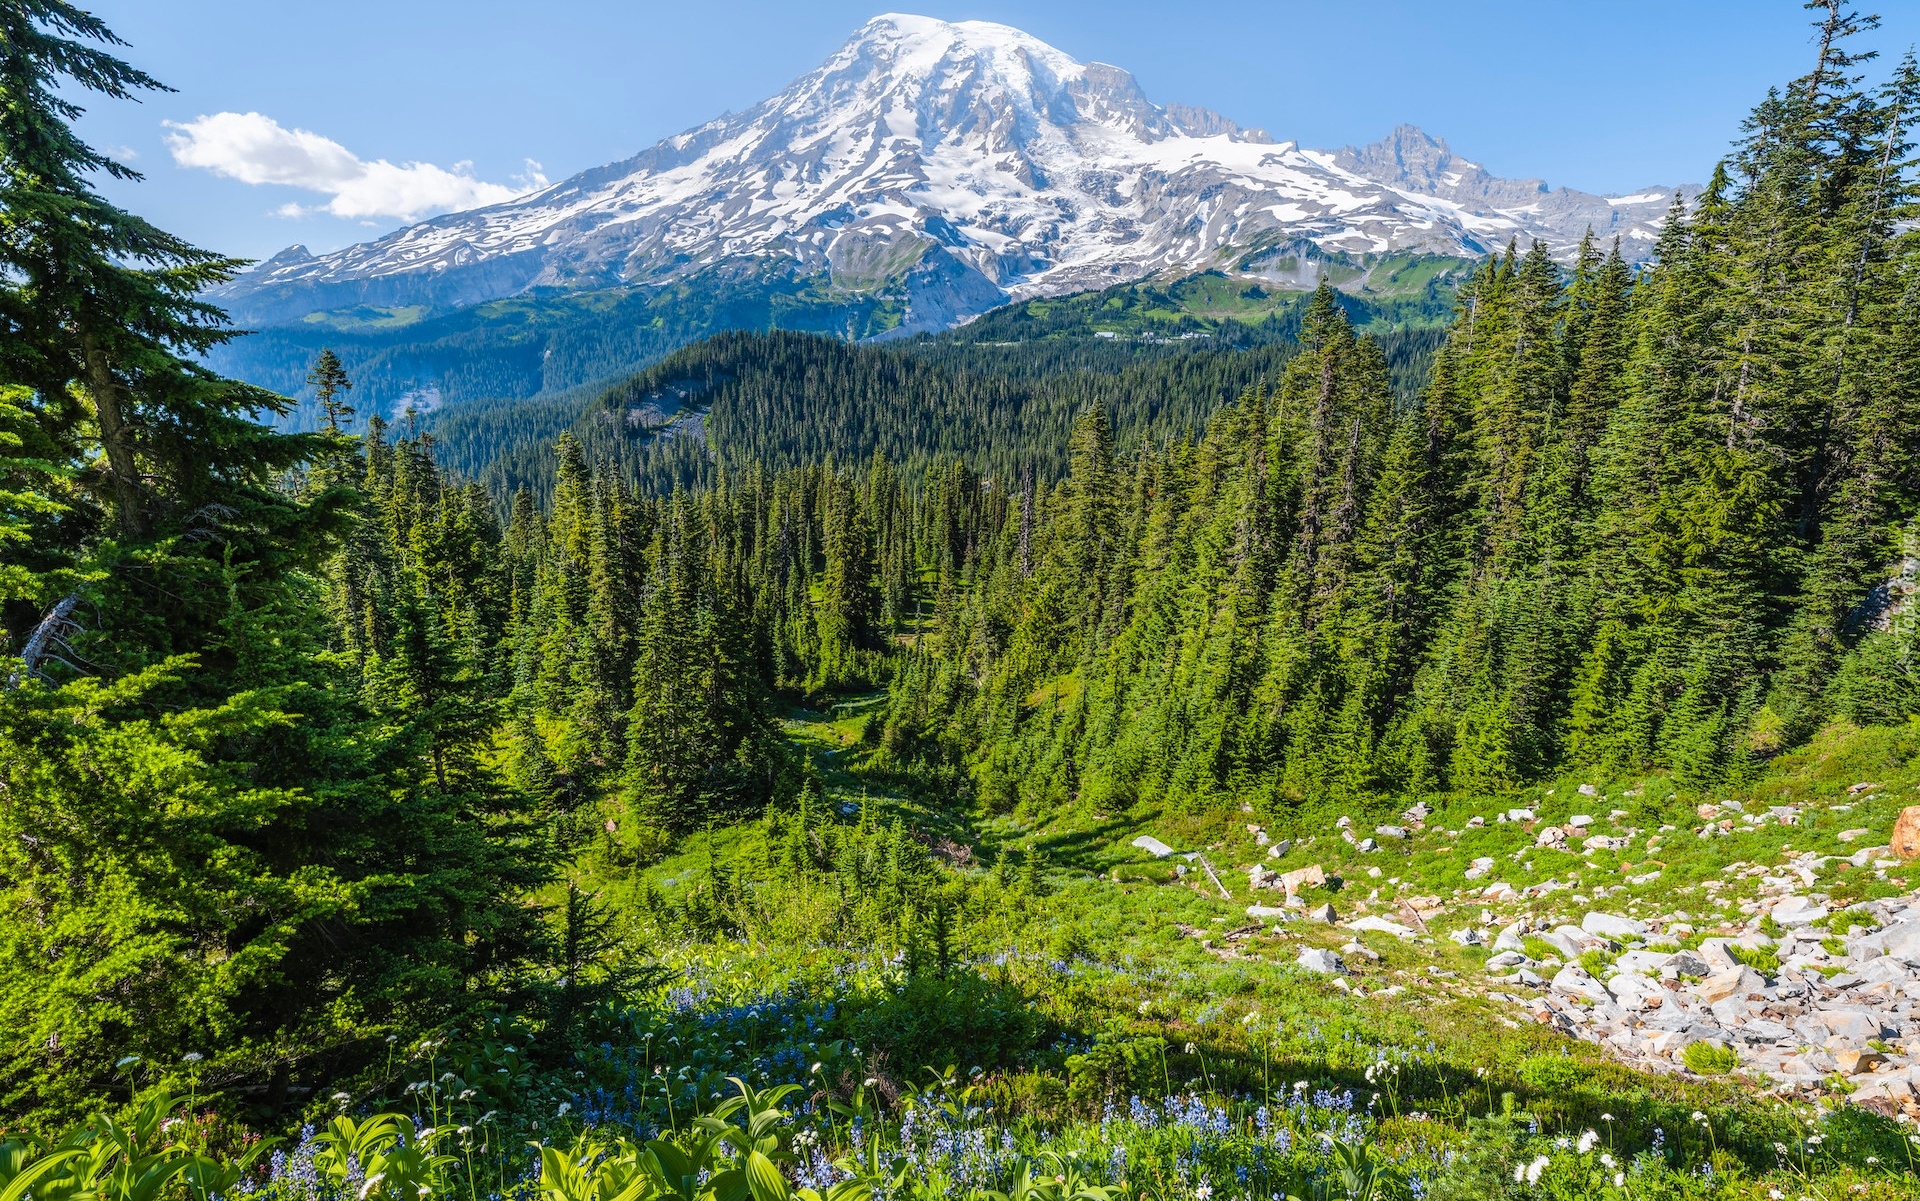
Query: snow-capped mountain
[(965, 164)]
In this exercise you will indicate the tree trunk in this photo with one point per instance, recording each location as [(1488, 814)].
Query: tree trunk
[(128, 510)]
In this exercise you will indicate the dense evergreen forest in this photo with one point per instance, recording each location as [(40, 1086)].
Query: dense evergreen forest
[(316, 744), (780, 400)]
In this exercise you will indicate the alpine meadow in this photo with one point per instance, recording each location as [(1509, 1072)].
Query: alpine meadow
[(753, 675)]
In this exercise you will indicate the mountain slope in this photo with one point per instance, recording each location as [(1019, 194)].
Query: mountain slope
[(953, 165)]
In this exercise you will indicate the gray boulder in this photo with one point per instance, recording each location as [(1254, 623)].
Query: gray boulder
[(1321, 962)]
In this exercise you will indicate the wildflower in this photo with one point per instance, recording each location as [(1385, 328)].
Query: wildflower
[(1698, 1116), (1815, 1140), (1203, 1192), (1606, 1159), (1606, 1117), (192, 1057), (1587, 1140), (563, 1110), (1619, 1179)]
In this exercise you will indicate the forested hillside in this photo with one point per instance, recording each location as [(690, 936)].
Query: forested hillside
[(735, 783), (781, 400)]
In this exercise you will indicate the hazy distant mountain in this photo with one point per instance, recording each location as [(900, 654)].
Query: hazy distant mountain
[(952, 166)]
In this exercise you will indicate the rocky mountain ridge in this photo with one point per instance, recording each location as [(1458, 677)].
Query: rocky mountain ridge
[(960, 165)]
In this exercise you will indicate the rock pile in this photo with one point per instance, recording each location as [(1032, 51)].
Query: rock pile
[(1801, 1008)]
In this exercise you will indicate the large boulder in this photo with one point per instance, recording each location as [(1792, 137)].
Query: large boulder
[(1612, 925), (1798, 911), (1381, 925), (1735, 982), (1322, 962), (1302, 877), (1906, 834)]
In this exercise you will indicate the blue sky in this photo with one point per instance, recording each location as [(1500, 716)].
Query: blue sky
[(409, 106)]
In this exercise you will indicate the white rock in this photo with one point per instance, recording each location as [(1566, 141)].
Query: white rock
[(1381, 925), (1153, 846), (1323, 914), (1368, 844), (1798, 911), (1580, 821), (1479, 867), (1574, 979), (1646, 963), (1737, 982), (1612, 925), (1589, 790), (1279, 848), (1266, 911), (1467, 936), (1632, 990), (1323, 962), (1390, 831)]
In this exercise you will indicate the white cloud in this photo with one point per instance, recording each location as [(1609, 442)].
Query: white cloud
[(256, 149)]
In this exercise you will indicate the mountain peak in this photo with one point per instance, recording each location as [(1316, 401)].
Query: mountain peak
[(957, 165)]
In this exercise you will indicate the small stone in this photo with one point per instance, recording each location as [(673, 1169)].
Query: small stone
[(1850, 835), (1580, 821), (1323, 914), (1390, 831), (1476, 823), (1280, 848), (1519, 815), (1467, 936), (1266, 911), (1589, 790), (1368, 844), (1479, 868)]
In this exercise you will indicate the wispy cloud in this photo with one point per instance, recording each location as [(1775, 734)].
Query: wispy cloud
[(255, 149)]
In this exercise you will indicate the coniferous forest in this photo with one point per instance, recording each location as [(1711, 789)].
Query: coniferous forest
[(725, 785)]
